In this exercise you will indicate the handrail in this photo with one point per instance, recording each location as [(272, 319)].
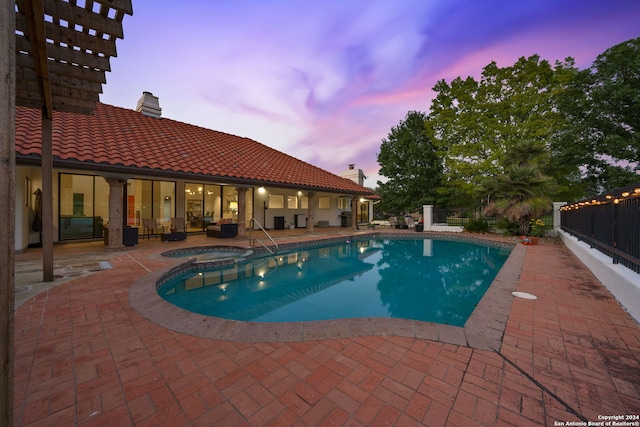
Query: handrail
[(255, 221)]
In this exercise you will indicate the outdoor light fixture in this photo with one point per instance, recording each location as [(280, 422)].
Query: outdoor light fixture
[(261, 190), (625, 194)]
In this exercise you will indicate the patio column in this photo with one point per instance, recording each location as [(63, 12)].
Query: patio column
[(242, 209), (354, 212), (115, 213), (556, 216), (427, 215), (311, 211)]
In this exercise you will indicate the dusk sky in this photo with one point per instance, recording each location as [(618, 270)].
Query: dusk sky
[(324, 81)]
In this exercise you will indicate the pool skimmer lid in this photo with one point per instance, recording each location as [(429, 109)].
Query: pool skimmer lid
[(523, 295)]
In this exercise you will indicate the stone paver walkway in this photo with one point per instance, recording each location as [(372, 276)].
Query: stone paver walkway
[(84, 357)]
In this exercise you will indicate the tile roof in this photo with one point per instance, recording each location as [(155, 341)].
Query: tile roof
[(128, 140)]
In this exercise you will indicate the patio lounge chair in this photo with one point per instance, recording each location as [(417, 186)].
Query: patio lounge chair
[(225, 228), (151, 227)]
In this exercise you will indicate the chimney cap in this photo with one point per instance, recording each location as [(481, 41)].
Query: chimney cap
[(149, 105)]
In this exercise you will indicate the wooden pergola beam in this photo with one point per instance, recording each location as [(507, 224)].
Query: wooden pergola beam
[(34, 11)]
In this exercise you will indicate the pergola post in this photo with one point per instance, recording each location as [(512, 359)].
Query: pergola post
[(7, 207), (47, 198)]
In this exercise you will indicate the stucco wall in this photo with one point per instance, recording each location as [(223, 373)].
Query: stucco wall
[(622, 282)]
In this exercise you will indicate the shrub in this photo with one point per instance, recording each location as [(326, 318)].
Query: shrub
[(536, 228), (477, 225), (510, 228)]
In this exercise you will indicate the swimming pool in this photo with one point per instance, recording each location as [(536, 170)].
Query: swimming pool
[(421, 279)]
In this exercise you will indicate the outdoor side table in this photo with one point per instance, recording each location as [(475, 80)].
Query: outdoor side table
[(173, 237)]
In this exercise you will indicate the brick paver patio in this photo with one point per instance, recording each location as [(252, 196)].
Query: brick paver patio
[(84, 357)]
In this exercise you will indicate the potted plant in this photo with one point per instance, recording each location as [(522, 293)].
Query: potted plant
[(536, 230)]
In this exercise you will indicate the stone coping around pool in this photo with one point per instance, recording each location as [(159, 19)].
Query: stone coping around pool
[(181, 252), (484, 329)]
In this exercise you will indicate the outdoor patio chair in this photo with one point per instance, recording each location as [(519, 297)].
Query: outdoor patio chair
[(393, 221), (179, 224), (151, 227), (411, 222)]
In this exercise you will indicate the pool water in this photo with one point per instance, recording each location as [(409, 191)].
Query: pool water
[(422, 279)]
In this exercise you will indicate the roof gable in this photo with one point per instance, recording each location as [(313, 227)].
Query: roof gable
[(121, 137)]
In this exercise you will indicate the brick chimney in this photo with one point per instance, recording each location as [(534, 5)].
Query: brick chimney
[(149, 105)]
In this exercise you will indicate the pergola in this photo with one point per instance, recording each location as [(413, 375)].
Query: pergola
[(54, 57)]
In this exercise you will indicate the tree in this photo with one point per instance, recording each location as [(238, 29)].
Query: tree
[(477, 123), (409, 160), (603, 107)]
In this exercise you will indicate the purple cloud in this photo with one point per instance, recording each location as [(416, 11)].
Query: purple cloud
[(325, 82)]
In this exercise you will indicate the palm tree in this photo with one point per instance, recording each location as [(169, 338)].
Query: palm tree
[(522, 192)]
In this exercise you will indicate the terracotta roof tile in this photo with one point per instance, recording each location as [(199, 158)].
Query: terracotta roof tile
[(122, 137)]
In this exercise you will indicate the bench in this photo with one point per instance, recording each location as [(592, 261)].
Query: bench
[(222, 231), (323, 224)]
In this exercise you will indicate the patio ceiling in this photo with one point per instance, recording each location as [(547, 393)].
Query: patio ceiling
[(63, 50)]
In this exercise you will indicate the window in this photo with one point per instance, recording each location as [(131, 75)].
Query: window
[(292, 202), (164, 197), (83, 206), (194, 202), (230, 203), (364, 211), (324, 203), (304, 202), (344, 203), (150, 199), (212, 203), (78, 204), (276, 201)]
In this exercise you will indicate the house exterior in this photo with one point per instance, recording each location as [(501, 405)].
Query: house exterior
[(119, 166)]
